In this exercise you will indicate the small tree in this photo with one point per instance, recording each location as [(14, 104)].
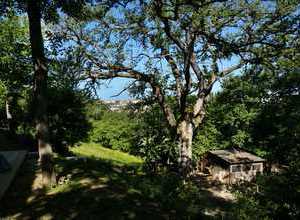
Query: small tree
[(182, 48)]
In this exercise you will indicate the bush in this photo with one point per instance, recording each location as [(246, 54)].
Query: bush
[(68, 122), (115, 130), (144, 134), (153, 140), (278, 197)]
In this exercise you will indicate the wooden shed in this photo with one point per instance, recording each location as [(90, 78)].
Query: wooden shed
[(232, 165)]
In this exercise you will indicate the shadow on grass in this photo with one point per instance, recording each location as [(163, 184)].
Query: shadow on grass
[(100, 189)]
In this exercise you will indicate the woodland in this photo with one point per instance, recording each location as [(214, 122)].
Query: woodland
[(208, 74)]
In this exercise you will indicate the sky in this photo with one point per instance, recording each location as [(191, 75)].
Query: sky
[(109, 89), (112, 88)]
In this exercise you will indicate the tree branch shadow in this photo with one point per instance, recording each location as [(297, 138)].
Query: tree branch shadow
[(100, 189)]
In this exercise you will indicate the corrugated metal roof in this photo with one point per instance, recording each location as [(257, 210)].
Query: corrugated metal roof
[(236, 156)]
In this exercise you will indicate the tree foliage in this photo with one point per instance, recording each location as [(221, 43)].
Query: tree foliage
[(15, 72), (68, 122), (259, 110), (115, 130), (153, 140)]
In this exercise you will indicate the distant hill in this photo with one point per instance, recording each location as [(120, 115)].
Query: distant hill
[(119, 105)]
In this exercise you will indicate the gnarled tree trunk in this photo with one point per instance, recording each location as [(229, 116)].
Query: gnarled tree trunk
[(40, 90), (185, 138)]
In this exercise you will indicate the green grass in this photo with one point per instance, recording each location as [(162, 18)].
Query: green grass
[(98, 152), (107, 185)]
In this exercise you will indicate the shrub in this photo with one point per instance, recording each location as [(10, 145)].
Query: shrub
[(68, 122), (278, 197), (115, 130)]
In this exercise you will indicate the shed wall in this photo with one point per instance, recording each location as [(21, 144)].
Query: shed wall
[(247, 173)]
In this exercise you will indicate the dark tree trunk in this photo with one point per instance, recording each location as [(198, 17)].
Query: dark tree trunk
[(40, 90)]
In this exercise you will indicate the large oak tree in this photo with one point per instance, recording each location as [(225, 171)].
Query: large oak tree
[(182, 48)]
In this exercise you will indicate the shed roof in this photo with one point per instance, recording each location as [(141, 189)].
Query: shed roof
[(236, 156)]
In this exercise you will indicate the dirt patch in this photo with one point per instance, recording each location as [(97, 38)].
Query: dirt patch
[(216, 195)]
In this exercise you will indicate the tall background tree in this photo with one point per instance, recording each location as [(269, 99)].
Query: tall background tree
[(40, 90), (36, 11)]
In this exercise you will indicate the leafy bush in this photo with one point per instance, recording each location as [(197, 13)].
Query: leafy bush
[(115, 130), (144, 134), (68, 122), (207, 138), (153, 140), (278, 197)]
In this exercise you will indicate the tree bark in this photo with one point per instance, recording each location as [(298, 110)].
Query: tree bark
[(40, 90), (185, 138), (8, 115)]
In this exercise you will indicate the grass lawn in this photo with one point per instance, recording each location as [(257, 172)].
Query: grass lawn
[(106, 185), (113, 156)]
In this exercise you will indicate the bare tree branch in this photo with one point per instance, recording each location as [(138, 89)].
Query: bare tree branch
[(126, 72), (230, 69), (123, 90)]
